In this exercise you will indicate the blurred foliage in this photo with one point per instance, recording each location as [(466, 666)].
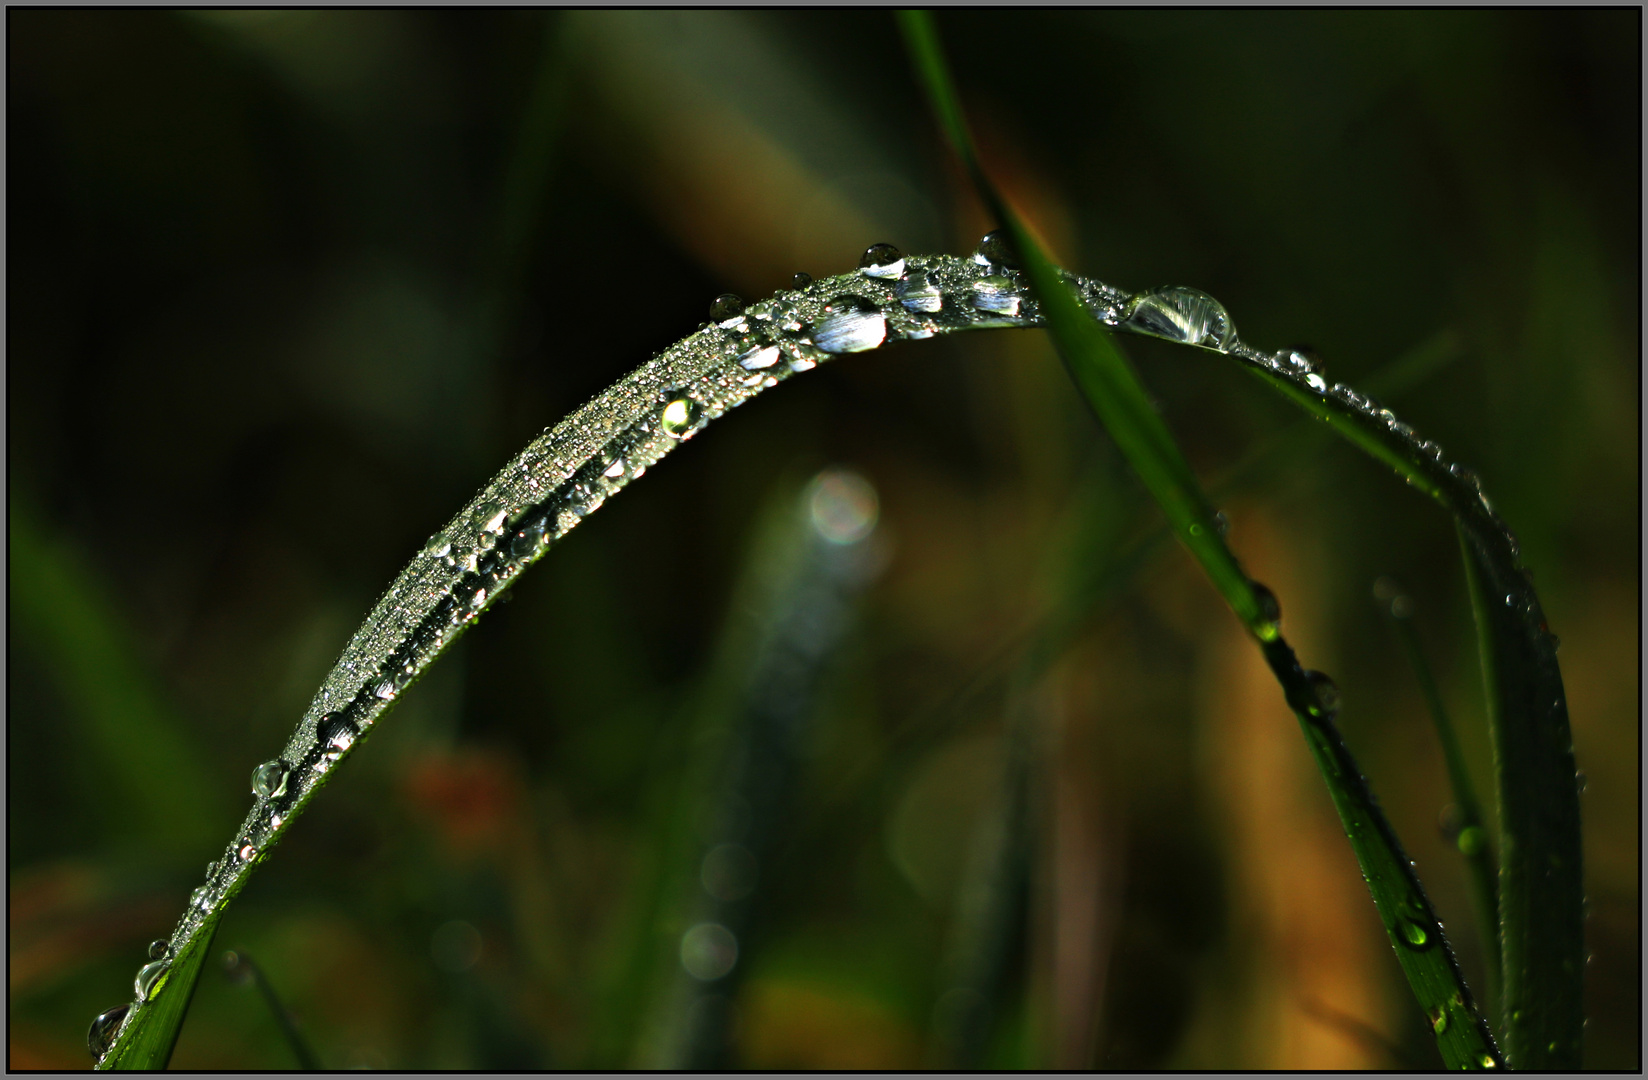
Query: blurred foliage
[(287, 287)]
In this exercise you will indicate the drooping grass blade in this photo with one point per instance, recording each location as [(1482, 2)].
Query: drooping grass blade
[(1114, 392)]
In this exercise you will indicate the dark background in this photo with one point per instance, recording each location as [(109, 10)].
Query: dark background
[(286, 288)]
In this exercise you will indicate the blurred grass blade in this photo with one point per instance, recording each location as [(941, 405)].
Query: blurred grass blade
[(1114, 392), (243, 969), (1468, 832), (147, 1043)]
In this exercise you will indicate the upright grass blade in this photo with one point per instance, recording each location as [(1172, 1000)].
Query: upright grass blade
[(1114, 392), (1470, 834), (243, 969), (148, 1045)]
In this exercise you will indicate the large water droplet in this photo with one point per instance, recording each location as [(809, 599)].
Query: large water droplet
[(801, 280), (1325, 693), (1316, 383), (269, 779), (147, 976), (1180, 314), (1270, 612), (159, 949), (489, 518), (851, 324), (104, 1025), (679, 417), (1414, 934), (997, 249), (1487, 1061), (708, 951), (438, 547), (530, 538), (726, 309), (337, 733), (759, 358), (881, 261), (996, 293), (916, 293)]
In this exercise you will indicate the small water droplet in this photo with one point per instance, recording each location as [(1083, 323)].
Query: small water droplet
[(104, 1025), (679, 417), (1270, 612), (1221, 523), (759, 358), (489, 518), (1414, 935), (438, 547), (1316, 383), (1471, 840), (159, 949), (1326, 694), (247, 853), (269, 779), (147, 976), (337, 733), (851, 324), (199, 898), (276, 820), (726, 309), (1487, 1061), (881, 261), (916, 293), (1180, 314), (530, 538), (1439, 1019), (801, 280), (995, 293), (385, 690), (1298, 359), (997, 248)]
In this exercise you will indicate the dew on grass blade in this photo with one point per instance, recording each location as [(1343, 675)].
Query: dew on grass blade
[(759, 358), (147, 975), (337, 734), (1471, 840), (269, 779), (726, 308), (917, 293), (996, 249), (104, 1025), (801, 280), (246, 853), (159, 949), (1326, 694), (881, 261), (996, 293), (850, 324), (1270, 612), (679, 417), (1316, 383), (1184, 315)]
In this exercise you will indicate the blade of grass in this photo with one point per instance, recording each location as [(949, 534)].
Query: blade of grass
[(148, 1045), (241, 969), (1471, 834), (1113, 391)]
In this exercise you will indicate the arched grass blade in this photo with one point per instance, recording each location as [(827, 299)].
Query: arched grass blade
[(150, 1029), (1114, 392)]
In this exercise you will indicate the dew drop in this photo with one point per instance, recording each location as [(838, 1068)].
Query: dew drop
[(995, 293), (1326, 693), (1439, 1020), (1316, 383), (276, 820), (851, 324), (881, 261), (147, 975), (269, 779), (385, 690), (1270, 612), (531, 538), (916, 293), (104, 1025), (1414, 935), (679, 417), (489, 518), (801, 280), (438, 547), (247, 853), (759, 358), (1487, 1061), (615, 470), (997, 249), (337, 733), (726, 309), (1299, 360), (159, 949), (1180, 314), (199, 898)]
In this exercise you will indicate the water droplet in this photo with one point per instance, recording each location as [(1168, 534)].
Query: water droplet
[(997, 248), (1487, 1061), (995, 293), (916, 293), (147, 976), (801, 280), (1326, 693), (1414, 935), (199, 898), (1401, 607), (1550, 1047), (1180, 314), (708, 951), (269, 779), (726, 308), (337, 733), (1270, 612), (679, 417), (1439, 1019), (881, 261), (615, 470), (530, 538), (276, 820), (759, 358), (489, 518), (475, 600), (1299, 359), (842, 506), (247, 853), (851, 324), (104, 1026), (159, 949), (1316, 383), (438, 547), (728, 872), (1471, 839), (385, 690)]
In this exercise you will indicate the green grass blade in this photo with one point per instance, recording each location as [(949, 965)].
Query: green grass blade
[(151, 1028), (1113, 391)]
